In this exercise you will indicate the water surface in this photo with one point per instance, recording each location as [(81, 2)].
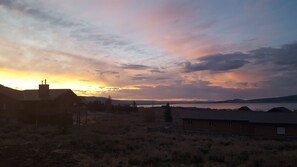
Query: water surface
[(253, 106)]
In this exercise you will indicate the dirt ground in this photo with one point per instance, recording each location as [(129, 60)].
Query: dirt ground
[(136, 139)]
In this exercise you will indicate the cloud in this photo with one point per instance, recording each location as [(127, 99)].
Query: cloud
[(261, 72), (283, 58), (139, 77), (44, 16), (108, 75), (95, 40), (38, 13), (134, 67), (162, 78), (48, 61), (286, 55), (98, 36), (143, 77), (7, 3), (108, 72), (156, 71), (219, 62), (198, 90)]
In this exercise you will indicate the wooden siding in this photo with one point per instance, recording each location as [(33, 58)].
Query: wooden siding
[(8, 108), (238, 127), (271, 129), (50, 112)]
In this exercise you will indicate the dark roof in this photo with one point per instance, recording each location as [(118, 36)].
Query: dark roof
[(273, 117), (251, 116), (15, 94), (33, 95), (214, 115)]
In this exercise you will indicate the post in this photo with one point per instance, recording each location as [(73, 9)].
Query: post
[(86, 117), (78, 117)]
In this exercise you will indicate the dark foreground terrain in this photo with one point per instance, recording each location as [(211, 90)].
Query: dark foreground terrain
[(136, 139)]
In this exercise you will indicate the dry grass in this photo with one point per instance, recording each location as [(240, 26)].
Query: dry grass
[(120, 139)]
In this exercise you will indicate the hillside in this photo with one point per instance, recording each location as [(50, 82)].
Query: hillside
[(284, 99)]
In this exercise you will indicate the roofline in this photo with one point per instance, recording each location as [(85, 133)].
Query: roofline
[(243, 120), (252, 122), (38, 89)]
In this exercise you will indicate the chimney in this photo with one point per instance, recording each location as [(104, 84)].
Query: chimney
[(43, 90)]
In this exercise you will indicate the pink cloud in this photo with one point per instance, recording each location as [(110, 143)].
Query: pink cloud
[(171, 28)]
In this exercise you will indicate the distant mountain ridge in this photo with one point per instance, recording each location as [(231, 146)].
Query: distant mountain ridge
[(284, 99)]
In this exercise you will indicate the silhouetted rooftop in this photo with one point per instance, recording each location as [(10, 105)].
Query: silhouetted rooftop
[(12, 93), (31, 95)]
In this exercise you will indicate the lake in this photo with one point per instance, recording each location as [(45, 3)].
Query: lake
[(253, 106)]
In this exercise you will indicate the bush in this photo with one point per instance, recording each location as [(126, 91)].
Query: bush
[(243, 156), (167, 113), (216, 157)]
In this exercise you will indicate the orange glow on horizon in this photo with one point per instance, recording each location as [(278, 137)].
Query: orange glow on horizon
[(230, 80), (28, 80)]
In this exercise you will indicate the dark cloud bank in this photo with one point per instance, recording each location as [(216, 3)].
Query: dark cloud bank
[(219, 62), (265, 61), (285, 57), (134, 66)]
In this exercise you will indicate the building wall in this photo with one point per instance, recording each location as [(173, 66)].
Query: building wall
[(68, 105), (30, 112), (264, 130), (50, 112), (291, 130), (8, 108), (271, 129), (236, 127)]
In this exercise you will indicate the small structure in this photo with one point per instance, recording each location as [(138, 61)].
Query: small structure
[(241, 122), (42, 106)]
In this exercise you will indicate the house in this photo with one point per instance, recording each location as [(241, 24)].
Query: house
[(241, 122), (43, 106)]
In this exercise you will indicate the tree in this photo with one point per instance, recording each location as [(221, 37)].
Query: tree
[(167, 113), (134, 106), (108, 104)]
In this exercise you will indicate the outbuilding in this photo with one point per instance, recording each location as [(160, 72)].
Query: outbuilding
[(241, 122)]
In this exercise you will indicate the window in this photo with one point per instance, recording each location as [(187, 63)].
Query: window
[(280, 131), (210, 123)]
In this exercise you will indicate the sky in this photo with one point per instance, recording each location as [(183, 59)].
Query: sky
[(151, 49)]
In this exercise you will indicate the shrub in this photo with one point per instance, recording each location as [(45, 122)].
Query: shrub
[(243, 156), (134, 161), (216, 157), (167, 113)]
